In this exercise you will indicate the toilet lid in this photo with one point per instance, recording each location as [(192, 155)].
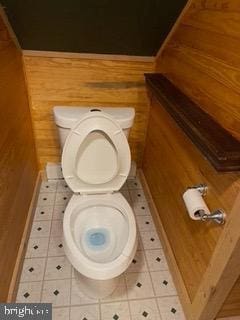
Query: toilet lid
[(96, 156)]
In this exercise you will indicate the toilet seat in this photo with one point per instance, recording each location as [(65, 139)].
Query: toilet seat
[(98, 136), (79, 258), (96, 156)]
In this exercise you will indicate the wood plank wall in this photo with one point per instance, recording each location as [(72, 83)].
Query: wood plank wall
[(18, 165), (61, 80), (202, 59)]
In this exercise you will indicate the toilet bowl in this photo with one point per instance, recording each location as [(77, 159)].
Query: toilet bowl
[(99, 228)]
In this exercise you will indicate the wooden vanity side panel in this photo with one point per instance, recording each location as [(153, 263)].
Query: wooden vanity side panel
[(202, 59), (18, 165), (74, 81), (172, 163)]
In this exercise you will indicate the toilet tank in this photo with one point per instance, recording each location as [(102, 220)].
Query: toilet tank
[(66, 117)]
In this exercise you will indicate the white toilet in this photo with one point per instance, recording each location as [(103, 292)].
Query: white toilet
[(99, 227)]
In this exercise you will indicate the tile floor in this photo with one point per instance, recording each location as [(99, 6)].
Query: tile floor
[(145, 291)]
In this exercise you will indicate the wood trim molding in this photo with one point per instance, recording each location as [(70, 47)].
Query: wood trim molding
[(23, 245), (215, 142), (94, 56)]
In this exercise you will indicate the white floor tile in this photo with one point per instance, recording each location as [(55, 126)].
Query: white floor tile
[(40, 229), (126, 195), (60, 313), (33, 269), (85, 313), (141, 209), (58, 212), (57, 268), (163, 283), (62, 186), (139, 285), (37, 247), (62, 198), (115, 311), (56, 292), (137, 196), (57, 228), (138, 264), (120, 293), (43, 213), (156, 260), (29, 292), (46, 199), (150, 240), (170, 308), (134, 184), (48, 186), (78, 297), (56, 247), (145, 223), (144, 309)]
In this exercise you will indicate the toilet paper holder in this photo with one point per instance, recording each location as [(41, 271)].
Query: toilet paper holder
[(219, 215)]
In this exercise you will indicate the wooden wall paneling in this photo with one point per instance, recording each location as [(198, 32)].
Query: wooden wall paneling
[(18, 167), (88, 82), (171, 164), (202, 59)]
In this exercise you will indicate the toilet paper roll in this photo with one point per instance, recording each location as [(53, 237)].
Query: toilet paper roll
[(195, 204)]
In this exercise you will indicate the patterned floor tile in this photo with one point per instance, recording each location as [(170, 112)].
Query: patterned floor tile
[(141, 209), (138, 264), (37, 247), (40, 229), (48, 186), (163, 283), (62, 198), (56, 292), (78, 297), (137, 196), (33, 269), (57, 228), (56, 247), (62, 186), (43, 213), (170, 308), (139, 285), (58, 212), (150, 240), (134, 184), (115, 311), (46, 199), (57, 268), (85, 313), (145, 223), (120, 293), (144, 309), (29, 292), (156, 260)]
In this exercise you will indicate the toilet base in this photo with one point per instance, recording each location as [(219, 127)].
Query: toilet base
[(96, 289)]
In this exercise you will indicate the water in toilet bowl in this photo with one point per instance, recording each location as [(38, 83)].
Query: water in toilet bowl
[(97, 238)]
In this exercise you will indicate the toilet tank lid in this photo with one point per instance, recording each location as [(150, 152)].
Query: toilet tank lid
[(66, 117)]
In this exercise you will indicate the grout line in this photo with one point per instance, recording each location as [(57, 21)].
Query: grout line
[(47, 254)]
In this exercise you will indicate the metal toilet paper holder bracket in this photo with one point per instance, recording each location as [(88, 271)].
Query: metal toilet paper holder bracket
[(219, 215)]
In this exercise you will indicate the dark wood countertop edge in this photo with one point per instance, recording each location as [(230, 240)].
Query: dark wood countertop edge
[(216, 143)]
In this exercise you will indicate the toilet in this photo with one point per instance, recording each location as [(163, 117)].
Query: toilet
[(99, 228)]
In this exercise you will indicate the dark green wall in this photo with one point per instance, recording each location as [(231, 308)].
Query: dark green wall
[(133, 27)]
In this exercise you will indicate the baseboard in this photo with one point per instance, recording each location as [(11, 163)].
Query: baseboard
[(172, 263), (22, 248)]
